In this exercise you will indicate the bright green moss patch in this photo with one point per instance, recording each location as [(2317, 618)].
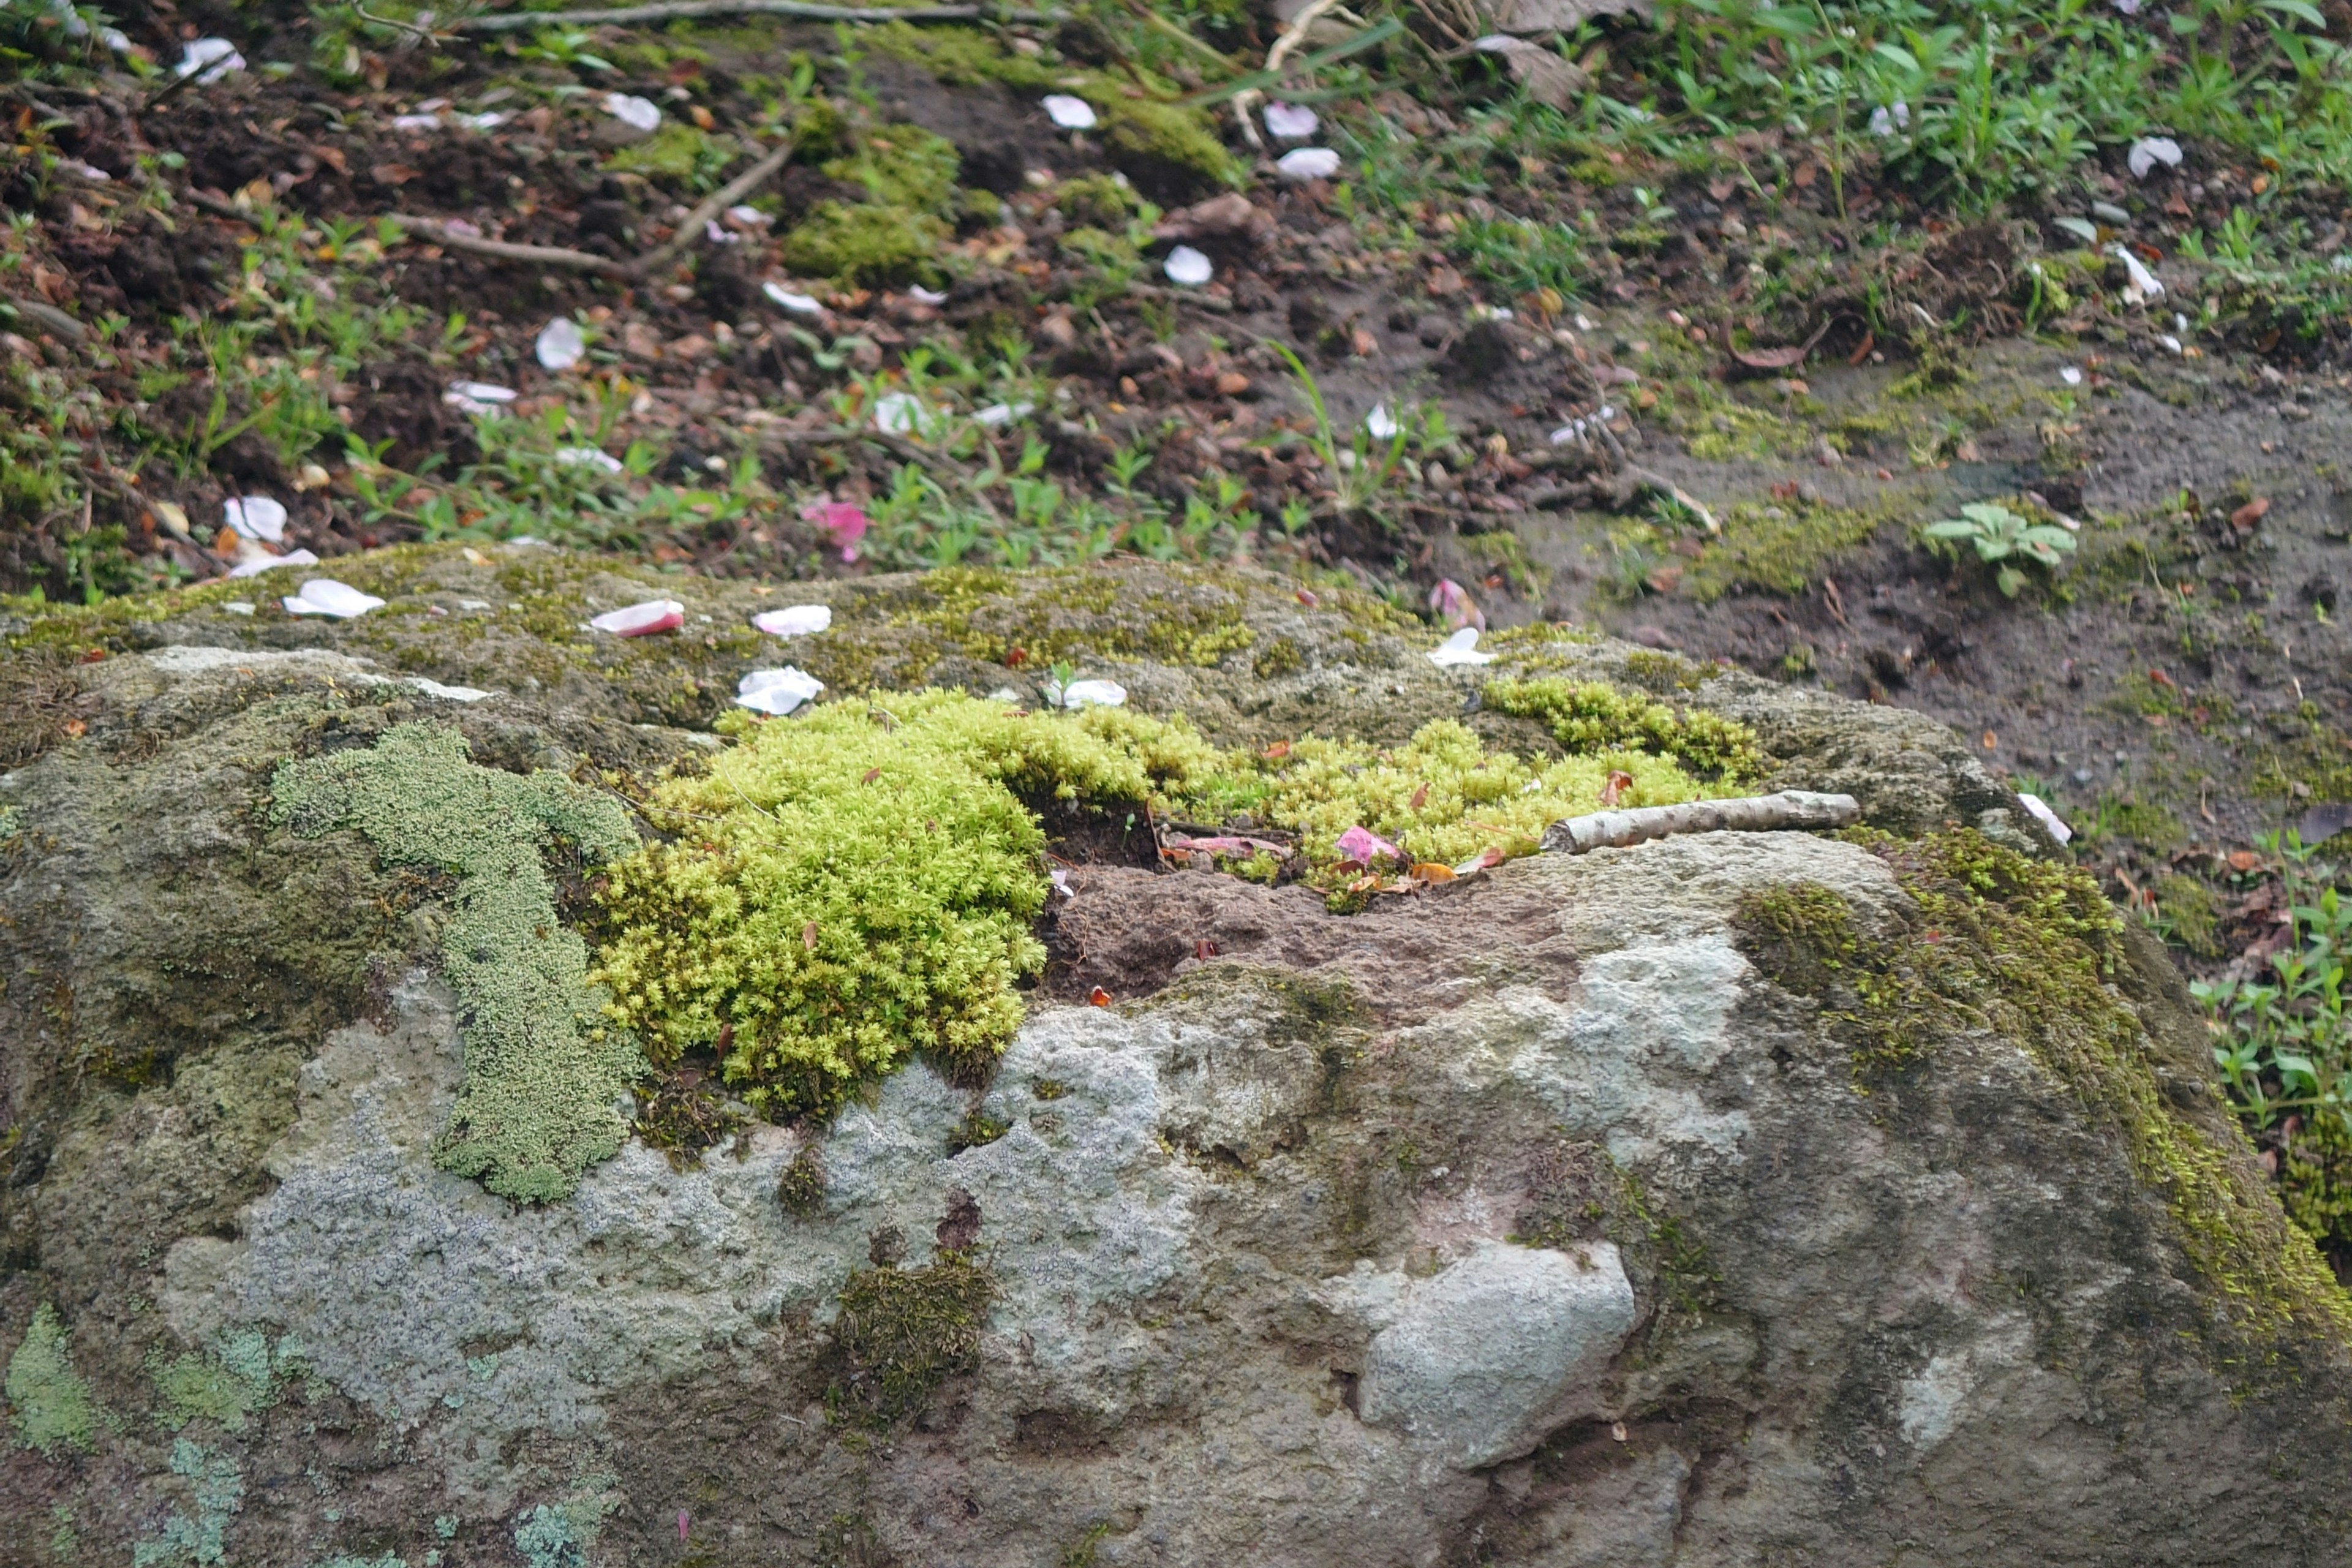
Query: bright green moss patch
[(1589, 715), (901, 1333), (862, 244), (541, 1076), (845, 888), (2026, 949), (50, 1404), (1444, 797), (1780, 546)]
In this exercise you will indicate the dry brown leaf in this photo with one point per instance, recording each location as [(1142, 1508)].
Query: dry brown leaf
[(2245, 519)]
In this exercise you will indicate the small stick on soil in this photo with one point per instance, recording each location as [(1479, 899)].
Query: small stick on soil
[(671, 10), (653, 261), (1796, 809), (50, 318)]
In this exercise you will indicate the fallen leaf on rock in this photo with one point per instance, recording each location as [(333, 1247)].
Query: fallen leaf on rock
[(1484, 860), (777, 691), (641, 620), (325, 597), (1462, 647), (796, 621), (2245, 519)]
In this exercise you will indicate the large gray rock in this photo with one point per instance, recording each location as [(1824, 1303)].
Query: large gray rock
[(1559, 1217)]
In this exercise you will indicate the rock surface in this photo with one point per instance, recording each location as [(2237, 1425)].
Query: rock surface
[(1552, 1218)]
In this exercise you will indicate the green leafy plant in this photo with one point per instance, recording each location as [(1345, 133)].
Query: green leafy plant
[(2001, 537), (2285, 1046)]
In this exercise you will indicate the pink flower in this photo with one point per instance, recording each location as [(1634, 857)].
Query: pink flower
[(845, 522), (1364, 844), (1451, 602)]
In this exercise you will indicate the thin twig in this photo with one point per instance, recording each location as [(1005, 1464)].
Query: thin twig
[(669, 10), (652, 262), (48, 316), (1792, 808)]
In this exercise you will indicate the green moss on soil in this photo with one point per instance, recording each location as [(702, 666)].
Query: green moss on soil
[(1585, 716), (901, 1333), (1779, 546), (541, 1076), (52, 1407), (2028, 951)]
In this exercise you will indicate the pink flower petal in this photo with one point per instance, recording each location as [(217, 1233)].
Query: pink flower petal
[(1363, 844), (642, 620), (1453, 602)]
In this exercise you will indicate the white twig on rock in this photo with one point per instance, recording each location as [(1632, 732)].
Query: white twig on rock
[(1744, 814)]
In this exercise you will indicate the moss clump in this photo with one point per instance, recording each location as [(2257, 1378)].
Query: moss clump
[(1591, 715), (901, 1333), (51, 1404), (536, 1107), (2191, 913), (1780, 547), (1149, 135), (1442, 797), (851, 886), (902, 166), (862, 244), (675, 152), (2026, 949)]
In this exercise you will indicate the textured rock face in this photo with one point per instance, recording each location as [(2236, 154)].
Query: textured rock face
[(1546, 1219)]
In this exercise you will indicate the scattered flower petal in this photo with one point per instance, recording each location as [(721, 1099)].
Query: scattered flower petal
[(2070, 375), (777, 691), (630, 109), (1308, 163), (448, 693), (1187, 265), (1452, 601), (490, 119), (2148, 152), (2041, 813), (923, 296), (1890, 119), (325, 597), (589, 458), (2081, 228), (718, 235), (899, 413), (641, 620), (847, 523), (256, 517), (1290, 121), (799, 304), (1380, 424), (216, 58), (997, 413), (796, 621), (255, 565), (748, 216), (1069, 113), (478, 396), (416, 122), (1462, 647), (1089, 694), (2141, 278), (561, 344), (1062, 882), (1363, 846)]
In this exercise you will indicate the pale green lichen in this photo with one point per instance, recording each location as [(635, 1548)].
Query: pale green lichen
[(200, 1540), (539, 1101), (52, 1405), (241, 1375), (559, 1535)]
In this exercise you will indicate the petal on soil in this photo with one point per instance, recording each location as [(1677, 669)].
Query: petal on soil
[(2041, 813), (256, 517), (1308, 163), (561, 344), (1188, 267), (630, 109), (641, 620), (798, 304), (215, 56), (1380, 424), (2148, 152), (1068, 112), (590, 457), (795, 621), (1290, 121)]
